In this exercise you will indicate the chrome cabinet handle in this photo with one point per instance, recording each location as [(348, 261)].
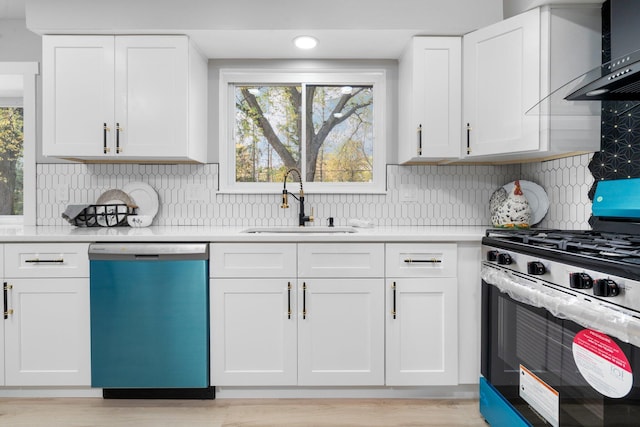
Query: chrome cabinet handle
[(424, 261)]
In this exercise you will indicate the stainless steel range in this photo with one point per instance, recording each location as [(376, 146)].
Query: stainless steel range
[(561, 328)]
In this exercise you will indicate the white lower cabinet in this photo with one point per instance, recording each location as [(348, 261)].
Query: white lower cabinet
[(253, 332), (341, 332), (271, 326), (323, 314), (46, 326), (253, 314), (421, 315), (47, 333)]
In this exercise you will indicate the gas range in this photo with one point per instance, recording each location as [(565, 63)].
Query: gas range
[(596, 265)]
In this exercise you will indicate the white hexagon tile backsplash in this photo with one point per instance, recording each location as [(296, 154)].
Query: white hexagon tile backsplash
[(417, 195)]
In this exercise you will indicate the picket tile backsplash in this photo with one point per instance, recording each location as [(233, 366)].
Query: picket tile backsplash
[(416, 195)]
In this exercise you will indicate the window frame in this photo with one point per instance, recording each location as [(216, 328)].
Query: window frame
[(29, 71), (360, 77)]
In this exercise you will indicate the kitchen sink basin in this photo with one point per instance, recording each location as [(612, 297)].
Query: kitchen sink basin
[(301, 230)]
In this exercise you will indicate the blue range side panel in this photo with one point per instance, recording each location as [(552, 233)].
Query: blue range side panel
[(618, 198), (496, 410), (149, 324)]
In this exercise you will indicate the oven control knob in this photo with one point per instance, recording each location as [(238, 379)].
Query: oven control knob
[(605, 288), (536, 268), (580, 281), (504, 259), (492, 255)]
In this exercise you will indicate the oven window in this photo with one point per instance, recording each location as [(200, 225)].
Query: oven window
[(515, 334)]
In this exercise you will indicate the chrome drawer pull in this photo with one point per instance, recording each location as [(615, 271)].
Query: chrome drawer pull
[(429, 261), (44, 261)]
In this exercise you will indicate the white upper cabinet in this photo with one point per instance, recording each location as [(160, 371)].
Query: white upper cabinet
[(430, 99), (130, 98), (509, 67)]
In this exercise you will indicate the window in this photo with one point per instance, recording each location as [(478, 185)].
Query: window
[(11, 159), (17, 142), (326, 125)]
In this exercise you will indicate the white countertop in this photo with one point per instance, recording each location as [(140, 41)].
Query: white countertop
[(25, 234)]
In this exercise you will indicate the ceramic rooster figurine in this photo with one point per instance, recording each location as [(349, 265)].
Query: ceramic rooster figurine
[(510, 210)]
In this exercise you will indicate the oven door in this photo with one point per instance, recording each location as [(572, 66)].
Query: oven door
[(554, 371)]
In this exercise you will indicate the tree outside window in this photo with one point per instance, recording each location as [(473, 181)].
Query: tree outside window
[(11, 160)]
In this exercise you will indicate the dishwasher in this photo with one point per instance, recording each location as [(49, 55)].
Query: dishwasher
[(150, 320)]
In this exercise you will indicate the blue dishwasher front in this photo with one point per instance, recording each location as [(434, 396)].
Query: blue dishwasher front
[(149, 316)]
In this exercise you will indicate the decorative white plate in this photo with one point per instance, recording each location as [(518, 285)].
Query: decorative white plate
[(536, 196), (144, 196)]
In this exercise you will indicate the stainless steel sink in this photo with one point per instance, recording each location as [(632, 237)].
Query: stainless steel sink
[(301, 230)]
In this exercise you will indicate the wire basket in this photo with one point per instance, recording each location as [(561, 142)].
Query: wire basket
[(109, 215)]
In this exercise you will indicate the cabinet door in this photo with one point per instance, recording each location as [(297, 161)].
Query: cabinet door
[(430, 108), (253, 332), (47, 337), (78, 84), (501, 82), (422, 332), (151, 90), (341, 332)]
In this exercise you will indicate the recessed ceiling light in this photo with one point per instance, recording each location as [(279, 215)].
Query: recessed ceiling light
[(305, 42)]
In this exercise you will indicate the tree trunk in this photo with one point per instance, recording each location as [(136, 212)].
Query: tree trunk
[(7, 186)]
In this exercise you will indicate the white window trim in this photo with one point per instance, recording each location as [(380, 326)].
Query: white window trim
[(228, 77), (29, 71)]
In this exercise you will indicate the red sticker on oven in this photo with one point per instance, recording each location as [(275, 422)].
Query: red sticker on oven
[(602, 363)]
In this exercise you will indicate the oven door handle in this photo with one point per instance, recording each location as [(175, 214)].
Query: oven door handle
[(587, 313)]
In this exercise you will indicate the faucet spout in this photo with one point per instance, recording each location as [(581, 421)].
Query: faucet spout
[(302, 217)]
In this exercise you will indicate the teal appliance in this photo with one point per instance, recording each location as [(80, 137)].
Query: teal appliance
[(150, 320), (616, 206)]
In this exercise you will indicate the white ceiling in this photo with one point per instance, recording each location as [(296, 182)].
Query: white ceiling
[(12, 9), (265, 28), (355, 29)]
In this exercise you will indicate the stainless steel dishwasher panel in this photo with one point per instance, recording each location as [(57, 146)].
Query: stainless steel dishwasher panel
[(149, 315)]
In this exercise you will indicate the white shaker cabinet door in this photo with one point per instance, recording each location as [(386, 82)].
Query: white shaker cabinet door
[(422, 332), (151, 96), (253, 332), (47, 333), (501, 82), (78, 105), (341, 332), (430, 99)]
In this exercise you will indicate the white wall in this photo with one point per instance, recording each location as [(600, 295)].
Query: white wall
[(17, 43)]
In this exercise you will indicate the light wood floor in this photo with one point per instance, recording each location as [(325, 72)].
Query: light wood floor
[(94, 412)]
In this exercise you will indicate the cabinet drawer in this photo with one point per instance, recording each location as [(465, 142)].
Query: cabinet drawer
[(341, 260), (253, 260), (422, 260), (46, 260)]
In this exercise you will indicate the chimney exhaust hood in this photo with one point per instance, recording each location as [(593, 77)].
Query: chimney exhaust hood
[(619, 79)]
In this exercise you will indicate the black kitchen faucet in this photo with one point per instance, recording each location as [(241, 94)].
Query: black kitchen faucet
[(302, 218)]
